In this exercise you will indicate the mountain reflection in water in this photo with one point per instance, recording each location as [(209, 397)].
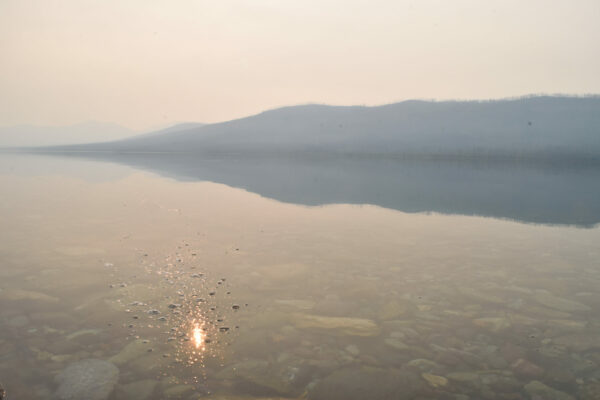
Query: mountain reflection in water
[(545, 191)]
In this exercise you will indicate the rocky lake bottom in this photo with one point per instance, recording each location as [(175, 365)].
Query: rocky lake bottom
[(123, 285)]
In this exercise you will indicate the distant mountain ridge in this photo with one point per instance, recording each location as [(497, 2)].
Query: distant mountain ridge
[(171, 129), (528, 125)]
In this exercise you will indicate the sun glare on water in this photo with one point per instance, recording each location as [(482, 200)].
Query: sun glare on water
[(197, 335)]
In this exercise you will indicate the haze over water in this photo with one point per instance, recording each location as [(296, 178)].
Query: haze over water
[(119, 265), (316, 200)]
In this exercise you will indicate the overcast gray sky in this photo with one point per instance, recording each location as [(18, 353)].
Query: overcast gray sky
[(144, 63)]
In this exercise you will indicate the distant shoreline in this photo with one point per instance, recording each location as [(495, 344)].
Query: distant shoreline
[(490, 158)]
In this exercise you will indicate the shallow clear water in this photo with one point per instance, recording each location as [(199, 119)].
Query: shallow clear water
[(197, 289)]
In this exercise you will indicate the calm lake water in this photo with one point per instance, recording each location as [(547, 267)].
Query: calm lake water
[(150, 278)]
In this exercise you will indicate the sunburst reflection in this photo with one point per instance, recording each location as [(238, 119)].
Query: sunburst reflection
[(197, 336)]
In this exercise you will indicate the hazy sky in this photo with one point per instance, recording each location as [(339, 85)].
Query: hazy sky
[(144, 63)]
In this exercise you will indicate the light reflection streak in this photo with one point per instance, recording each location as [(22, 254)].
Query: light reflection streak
[(197, 335)]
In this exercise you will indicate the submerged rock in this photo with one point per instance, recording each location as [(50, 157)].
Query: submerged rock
[(366, 383), (493, 324), (352, 349), (18, 322), (300, 304), (463, 377), (178, 391), (396, 343), (393, 310), (590, 391), (337, 325), (579, 342), (567, 325), (480, 296), (560, 304), (435, 380), (423, 365), (140, 390), (151, 362), (83, 332), (539, 390), (264, 378), (27, 295), (89, 379), (526, 368), (133, 350)]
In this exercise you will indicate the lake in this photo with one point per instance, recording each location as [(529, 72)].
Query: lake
[(141, 276)]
